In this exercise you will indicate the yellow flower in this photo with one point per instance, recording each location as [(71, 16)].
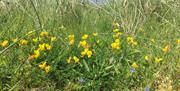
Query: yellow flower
[(89, 53), (131, 40), (36, 53), (83, 53), (134, 65), (166, 49), (48, 47), (86, 52), (15, 40), (76, 59), (23, 42), (82, 43), (53, 39), (47, 68), (4, 43), (117, 41), (95, 34), (42, 65), (117, 35), (69, 60), (178, 41), (146, 57), (35, 40), (158, 60), (44, 33), (71, 39), (42, 47), (85, 36), (116, 30), (116, 44)]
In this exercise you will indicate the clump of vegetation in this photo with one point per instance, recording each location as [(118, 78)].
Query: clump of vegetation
[(75, 45)]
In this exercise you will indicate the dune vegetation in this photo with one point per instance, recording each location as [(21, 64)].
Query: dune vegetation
[(119, 45)]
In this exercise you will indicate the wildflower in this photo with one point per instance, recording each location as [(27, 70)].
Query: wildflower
[(4, 43), (76, 59), (36, 54), (35, 40), (178, 41), (23, 42), (166, 49), (69, 60), (42, 65), (89, 53), (131, 40), (15, 40), (48, 47), (132, 70), (83, 53), (146, 57), (116, 30), (95, 34), (134, 65), (85, 36), (71, 39), (116, 44), (82, 43), (53, 39), (158, 60), (146, 89), (82, 80), (42, 47), (47, 68), (86, 52), (44, 33), (117, 35)]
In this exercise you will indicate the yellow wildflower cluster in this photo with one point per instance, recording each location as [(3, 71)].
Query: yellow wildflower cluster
[(4, 43), (74, 59), (45, 66), (41, 47), (131, 41), (23, 42), (71, 39), (116, 44), (117, 33), (85, 37), (86, 52), (44, 33)]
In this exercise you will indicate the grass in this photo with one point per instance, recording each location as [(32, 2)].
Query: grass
[(145, 28)]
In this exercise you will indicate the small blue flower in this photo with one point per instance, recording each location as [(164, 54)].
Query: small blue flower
[(82, 80), (146, 89), (132, 70)]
